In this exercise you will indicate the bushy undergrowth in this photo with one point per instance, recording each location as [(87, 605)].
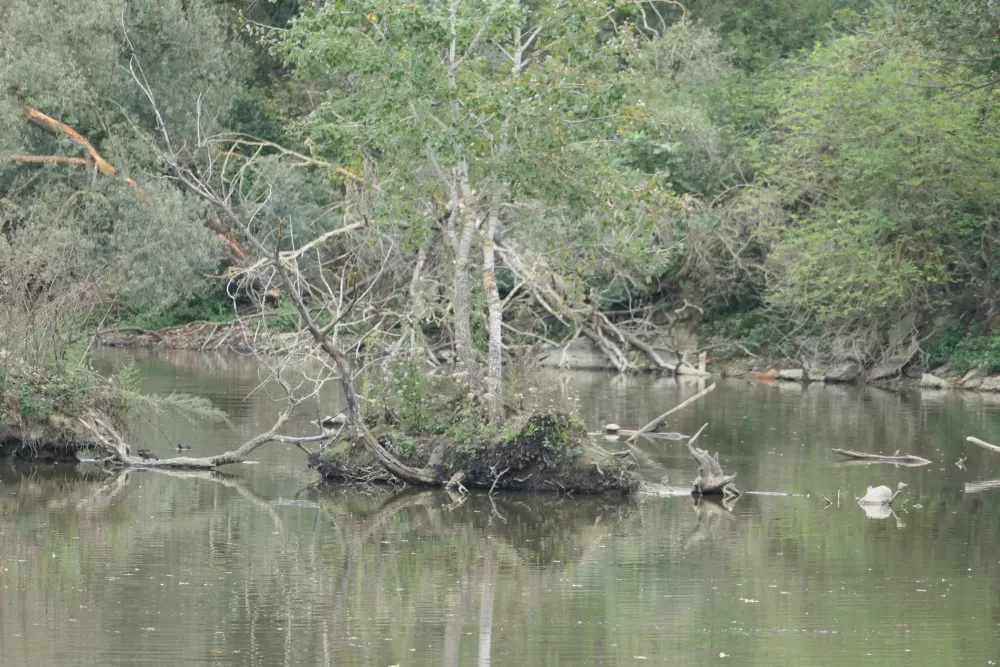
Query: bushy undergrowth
[(965, 349)]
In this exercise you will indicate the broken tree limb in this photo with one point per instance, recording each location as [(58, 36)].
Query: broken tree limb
[(656, 422), (94, 159), (711, 479), (612, 351), (292, 255), (648, 350), (905, 459), (53, 126), (983, 444), (47, 159)]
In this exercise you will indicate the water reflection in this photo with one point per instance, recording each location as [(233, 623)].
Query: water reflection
[(258, 567), (714, 515)]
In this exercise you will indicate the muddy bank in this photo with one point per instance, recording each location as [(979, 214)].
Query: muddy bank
[(581, 354), (48, 443), (547, 452)]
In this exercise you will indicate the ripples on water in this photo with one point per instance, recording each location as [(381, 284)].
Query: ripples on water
[(255, 568)]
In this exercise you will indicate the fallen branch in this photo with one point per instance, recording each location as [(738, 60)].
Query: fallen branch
[(95, 159), (905, 459), (648, 350), (121, 330), (983, 444), (293, 255), (656, 422), (53, 126)]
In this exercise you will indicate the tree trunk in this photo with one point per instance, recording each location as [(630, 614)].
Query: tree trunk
[(464, 348), (493, 398)]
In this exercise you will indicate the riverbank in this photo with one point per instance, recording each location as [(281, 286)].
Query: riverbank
[(886, 376), (682, 352)]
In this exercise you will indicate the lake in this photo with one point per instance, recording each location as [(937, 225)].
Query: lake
[(257, 566)]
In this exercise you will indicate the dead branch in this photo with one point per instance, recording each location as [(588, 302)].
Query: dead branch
[(906, 459), (304, 160), (656, 422), (53, 126), (46, 159), (293, 255), (983, 444)]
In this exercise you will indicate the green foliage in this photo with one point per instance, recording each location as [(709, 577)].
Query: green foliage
[(66, 392), (752, 328), (127, 398), (759, 32), (409, 391), (149, 247), (888, 182), (201, 307), (548, 136), (964, 349), (403, 446)]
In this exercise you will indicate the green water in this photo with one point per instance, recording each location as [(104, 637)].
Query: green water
[(256, 567)]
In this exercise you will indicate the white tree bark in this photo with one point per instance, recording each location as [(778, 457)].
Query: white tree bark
[(493, 398)]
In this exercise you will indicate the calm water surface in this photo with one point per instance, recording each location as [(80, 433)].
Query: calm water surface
[(256, 567)]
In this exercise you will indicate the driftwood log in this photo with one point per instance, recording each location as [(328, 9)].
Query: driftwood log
[(711, 479), (903, 459), (656, 422), (983, 444)]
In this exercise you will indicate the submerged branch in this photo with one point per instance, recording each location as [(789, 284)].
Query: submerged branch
[(905, 459)]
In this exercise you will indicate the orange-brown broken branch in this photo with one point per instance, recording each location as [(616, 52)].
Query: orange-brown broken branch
[(53, 126), (94, 159), (47, 159)]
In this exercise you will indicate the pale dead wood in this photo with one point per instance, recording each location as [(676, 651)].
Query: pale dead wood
[(983, 444), (304, 160), (293, 255), (711, 479), (906, 459), (656, 422)]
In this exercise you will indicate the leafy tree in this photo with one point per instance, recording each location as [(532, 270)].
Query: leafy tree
[(509, 116), (64, 73), (889, 180)]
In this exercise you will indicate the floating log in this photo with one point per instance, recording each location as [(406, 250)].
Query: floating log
[(656, 422), (984, 444), (904, 459), (615, 429)]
